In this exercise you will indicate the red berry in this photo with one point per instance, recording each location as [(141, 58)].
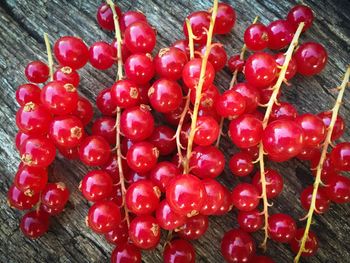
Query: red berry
[(338, 189), (298, 14), (194, 227), (102, 55), (69, 153), (311, 244), (246, 131), (217, 55), (339, 126), (280, 34), (55, 195), (105, 16), (191, 73), (140, 37), (144, 232), (21, 200), (67, 75), (283, 110), (27, 93), (96, 185), (282, 228), (311, 58), (340, 156), (125, 94), (130, 17), (260, 69), (241, 164), (292, 66), (182, 44), (250, 94), (185, 194), (262, 259), (322, 201), (118, 236), (37, 72), (71, 51), (34, 224), (125, 50), (215, 197), (162, 173), (31, 180), (237, 246), (127, 253), (169, 63), (235, 63), (225, 19), (199, 22), (313, 128), (163, 137), (230, 104), (103, 216), (207, 131), (250, 221), (256, 37), (133, 177), (105, 103), (105, 127), (139, 68), (274, 183), (167, 218), (37, 152), (142, 157), (245, 197), (94, 151), (179, 251), (84, 110)]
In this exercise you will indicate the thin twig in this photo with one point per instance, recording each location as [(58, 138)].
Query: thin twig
[(49, 55)]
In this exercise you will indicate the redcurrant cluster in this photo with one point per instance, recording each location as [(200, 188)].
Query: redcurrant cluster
[(154, 163)]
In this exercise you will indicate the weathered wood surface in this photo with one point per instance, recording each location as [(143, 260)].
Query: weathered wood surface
[(22, 24)]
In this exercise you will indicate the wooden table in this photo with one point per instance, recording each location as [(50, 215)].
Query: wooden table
[(22, 24)]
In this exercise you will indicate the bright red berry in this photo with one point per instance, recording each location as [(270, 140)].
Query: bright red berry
[(225, 19), (144, 232), (21, 200), (125, 94), (194, 227), (139, 68), (340, 156), (313, 128), (256, 37), (280, 34), (250, 94), (283, 110), (37, 72), (215, 196), (199, 22), (169, 63), (311, 244), (274, 183), (162, 173), (31, 180), (298, 14), (250, 221), (140, 37), (34, 224), (84, 110), (142, 157), (322, 201), (241, 164), (105, 127), (37, 152), (27, 93), (104, 16), (94, 151), (167, 218), (163, 137), (338, 189), (67, 75), (118, 236), (339, 126), (102, 55), (127, 253), (230, 104), (96, 185), (191, 73), (207, 131), (179, 250), (282, 228), (245, 197), (55, 195), (130, 17)]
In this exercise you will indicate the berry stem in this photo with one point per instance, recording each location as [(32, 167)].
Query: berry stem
[(190, 38), (233, 81), (326, 144), (272, 101), (119, 77), (200, 85), (49, 55)]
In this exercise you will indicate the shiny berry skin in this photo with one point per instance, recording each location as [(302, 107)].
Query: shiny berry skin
[(96, 185), (191, 73), (104, 16), (125, 50), (144, 232), (266, 93), (225, 19), (125, 94), (311, 244), (127, 253), (217, 55), (283, 139), (103, 216), (260, 69), (20, 138), (31, 180), (230, 104), (179, 251), (133, 177), (27, 93), (308, 153), (313, 128), (208, 97), (262, 259), (311, 58), (241, 164), (237, 246), (328, 169), (102, 55), (173, 117), (298, 14), (162, 173), (194, 227), (94, 151), (142, 157), (280, 34), (185, 194), (282, 228), (105, 127), (274, 183), (163, 137), (118, 236), (37, 72), (33, 119), (137, 123), (207, 131), (84, 110), (20, 200), (55, 195), (245, 131), (130, 17), (182, 44), (105, 104), (169, 63), (338, 189), (59, 98), (66, 131), (256, 37), (207, 161), (71, 51), (69, 153), (339, 126), (292, 66), (245, 197), (140, 37), (235, 63), (142, 197), (322, 201), (139, 68), (215, 197), (34, 224), (226, 205), (37, 152), (67, 75), (199, 22), (340, 156), (250, 221), (284, 111), (165, 95), (250, 94), (167, 218)]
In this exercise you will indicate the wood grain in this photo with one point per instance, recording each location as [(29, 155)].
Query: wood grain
[(22, 24)]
